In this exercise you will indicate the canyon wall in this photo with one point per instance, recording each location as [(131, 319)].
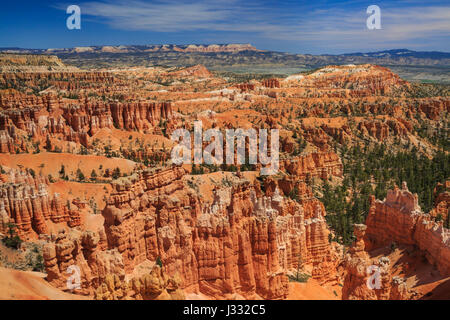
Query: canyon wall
[(370, 278), (47, 116), (26, 202), (399, 219), (317, 164), (242, 244), (137, 116), (396, 220)]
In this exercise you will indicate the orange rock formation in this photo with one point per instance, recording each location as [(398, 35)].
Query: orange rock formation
[(399, 219), (240, 244), (25, 202)]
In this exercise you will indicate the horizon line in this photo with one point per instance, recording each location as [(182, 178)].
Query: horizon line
[(221, 44)]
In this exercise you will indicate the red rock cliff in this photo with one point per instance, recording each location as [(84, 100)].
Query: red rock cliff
[(243, 244), (25, 201), (399, 219)]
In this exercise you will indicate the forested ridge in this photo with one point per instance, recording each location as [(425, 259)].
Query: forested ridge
[(372, 171)]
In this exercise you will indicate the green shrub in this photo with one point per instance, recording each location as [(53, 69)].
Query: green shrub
[(300, 277), (12, 240), (159, 262)]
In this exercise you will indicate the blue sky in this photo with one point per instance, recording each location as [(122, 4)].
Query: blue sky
[(296, 26)]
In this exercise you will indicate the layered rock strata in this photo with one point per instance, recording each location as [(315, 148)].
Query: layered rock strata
[(25, 202), (243, 244), (399, 219), (370, 278)]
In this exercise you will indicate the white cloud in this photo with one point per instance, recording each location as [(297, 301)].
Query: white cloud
[(336, 27), (162, 15)]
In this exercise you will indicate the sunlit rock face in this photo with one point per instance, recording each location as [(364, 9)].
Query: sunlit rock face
[(25, 202), (243, 243), (399, 219)]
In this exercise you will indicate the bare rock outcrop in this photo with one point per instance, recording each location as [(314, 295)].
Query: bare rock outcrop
[(318, 164), (155, 285), (26, 202), (242, 244), (370, 278), (78, 254), (399, 219)]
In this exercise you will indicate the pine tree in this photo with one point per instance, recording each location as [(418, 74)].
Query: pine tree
[(93, 175), (80, 175)]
